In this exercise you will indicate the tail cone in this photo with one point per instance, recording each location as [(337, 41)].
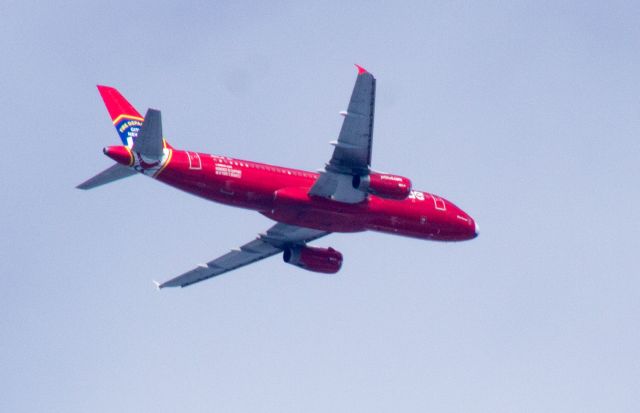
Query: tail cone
[(120, 154)]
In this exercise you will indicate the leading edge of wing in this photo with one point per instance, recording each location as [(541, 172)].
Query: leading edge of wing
[(277, 238)]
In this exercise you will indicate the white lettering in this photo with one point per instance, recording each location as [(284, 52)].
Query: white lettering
[(416, 195), (227, 170)]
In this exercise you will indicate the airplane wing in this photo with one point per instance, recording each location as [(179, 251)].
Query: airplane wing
[(352, 153), (277, 238)]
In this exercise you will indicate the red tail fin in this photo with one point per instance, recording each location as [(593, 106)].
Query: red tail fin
[(124, 116)]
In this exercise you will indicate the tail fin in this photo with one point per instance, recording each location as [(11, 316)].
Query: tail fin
[(125, 117), (149, 142), (142, 135)]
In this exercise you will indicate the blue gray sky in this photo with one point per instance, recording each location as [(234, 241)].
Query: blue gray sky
[(525, 114)]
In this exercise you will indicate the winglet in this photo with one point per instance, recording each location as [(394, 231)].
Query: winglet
[(361, 70), (157, 284)]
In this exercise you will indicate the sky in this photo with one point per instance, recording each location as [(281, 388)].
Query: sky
[(525, 114)]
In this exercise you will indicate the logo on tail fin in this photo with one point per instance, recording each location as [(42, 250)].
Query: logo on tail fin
[(124, 116), (128, 127)]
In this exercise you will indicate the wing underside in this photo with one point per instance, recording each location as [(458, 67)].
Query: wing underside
[(274, 241), (352, 153)]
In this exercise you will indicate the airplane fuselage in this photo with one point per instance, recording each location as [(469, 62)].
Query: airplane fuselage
[(282, 194)]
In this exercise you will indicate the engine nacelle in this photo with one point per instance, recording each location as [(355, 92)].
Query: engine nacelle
[(324, 260), (384, 185)]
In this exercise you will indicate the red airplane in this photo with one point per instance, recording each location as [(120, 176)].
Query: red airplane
[(346, 196)]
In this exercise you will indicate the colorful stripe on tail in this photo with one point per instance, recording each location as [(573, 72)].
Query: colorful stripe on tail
[(125, 117)]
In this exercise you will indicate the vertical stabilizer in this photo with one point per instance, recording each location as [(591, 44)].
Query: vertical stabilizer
[(124, 116), (149, 142)]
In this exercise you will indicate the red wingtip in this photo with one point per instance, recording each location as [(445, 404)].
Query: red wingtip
[(361, 70)]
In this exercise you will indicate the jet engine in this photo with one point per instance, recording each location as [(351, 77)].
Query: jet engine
[(383, 185), (324, 260)]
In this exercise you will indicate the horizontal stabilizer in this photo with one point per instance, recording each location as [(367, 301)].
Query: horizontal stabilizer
[(110, 174)]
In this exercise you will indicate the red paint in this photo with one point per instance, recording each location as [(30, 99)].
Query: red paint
[(324, 260), (120, 154), (116, 104), (119, 108), (385, 202), (361, 70), (282, 195), (386, 186)]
